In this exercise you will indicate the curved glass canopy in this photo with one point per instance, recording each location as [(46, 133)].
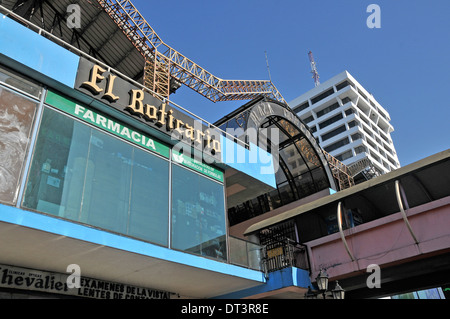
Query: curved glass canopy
[(300, 172)]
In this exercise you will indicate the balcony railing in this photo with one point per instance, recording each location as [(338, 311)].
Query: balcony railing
[(246, 254), (287, 254), (253, 256)]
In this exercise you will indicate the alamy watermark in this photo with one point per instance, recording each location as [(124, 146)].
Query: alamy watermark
[(74, 279), (374, 279), (73, 20), (374, 19)]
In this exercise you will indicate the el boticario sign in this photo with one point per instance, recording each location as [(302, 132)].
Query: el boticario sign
[(102, 85)]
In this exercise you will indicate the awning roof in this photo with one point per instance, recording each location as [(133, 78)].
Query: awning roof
[(424, 180)]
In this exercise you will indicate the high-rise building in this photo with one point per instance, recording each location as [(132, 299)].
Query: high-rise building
[(350, 125)]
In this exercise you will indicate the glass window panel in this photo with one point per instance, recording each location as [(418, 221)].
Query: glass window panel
[(286, 194), (149, 208), (198, 214), (270, 131), (82, 174), (294, 160), (107, 185), (48, 190), (288, 127), (308, 153), (275, 199), (305, 185), (16, 119), (336, 145), (72, 156), (320, 178)]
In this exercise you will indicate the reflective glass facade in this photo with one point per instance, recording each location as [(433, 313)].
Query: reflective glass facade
[(85, 175), (198, 220), (73, 162)]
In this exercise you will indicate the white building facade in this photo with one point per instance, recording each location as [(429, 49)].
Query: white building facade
[(349, 124)]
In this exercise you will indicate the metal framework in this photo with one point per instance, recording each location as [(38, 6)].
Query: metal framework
[(166, 68), (364, 167), (340, 172)]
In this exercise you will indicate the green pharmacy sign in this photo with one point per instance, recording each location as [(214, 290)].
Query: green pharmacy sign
[(197, 166), (114, 127)]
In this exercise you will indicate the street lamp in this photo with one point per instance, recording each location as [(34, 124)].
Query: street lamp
[(322, 284), (338, 292), (322, 281)]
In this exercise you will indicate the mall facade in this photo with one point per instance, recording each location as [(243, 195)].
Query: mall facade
[(109, 192)]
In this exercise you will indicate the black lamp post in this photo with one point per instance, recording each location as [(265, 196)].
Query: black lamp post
[(322, 285)]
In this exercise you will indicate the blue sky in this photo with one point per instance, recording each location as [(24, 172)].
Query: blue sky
[(405, 64)]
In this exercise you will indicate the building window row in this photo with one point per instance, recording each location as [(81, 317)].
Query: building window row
[(322, 96), (334, 132), (301, 107), (360, 149), (336, 145), (346, 155), (353, 123), (345, 100), (342, 85), (308, 119), (331, 120), (328, 109), (349, 111), (356, 136)]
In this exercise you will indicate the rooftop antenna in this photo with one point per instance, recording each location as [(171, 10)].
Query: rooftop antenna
[(314, 69), (268, 69)]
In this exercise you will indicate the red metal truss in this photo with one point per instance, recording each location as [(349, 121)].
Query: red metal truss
[(161, 58)]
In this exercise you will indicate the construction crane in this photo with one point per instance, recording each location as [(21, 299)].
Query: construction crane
[(314, 69), (167, 68)]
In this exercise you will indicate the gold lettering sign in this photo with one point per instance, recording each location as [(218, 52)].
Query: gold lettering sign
[(162, 116), (96, 76)]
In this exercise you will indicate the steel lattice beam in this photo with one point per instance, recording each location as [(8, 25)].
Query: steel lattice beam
[(184, 70)]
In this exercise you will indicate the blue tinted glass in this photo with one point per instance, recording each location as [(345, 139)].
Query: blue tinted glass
[(198, 214), (107, 183), (149, 198), (82, 174), (57, 175)]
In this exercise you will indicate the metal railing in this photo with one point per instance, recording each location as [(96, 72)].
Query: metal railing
[(254, 256), (245, 253), (287, 254)]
